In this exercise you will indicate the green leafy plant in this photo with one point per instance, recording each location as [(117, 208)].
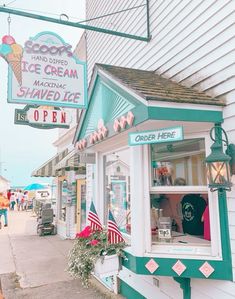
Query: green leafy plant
[(88, 247)]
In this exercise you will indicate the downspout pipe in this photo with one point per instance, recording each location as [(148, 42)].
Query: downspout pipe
[(185, 286)]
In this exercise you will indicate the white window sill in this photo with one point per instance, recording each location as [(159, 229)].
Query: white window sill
[(178, 189), (180, 252)]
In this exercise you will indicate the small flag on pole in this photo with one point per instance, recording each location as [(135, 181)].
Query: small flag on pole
[(114, 235), (94, 219)]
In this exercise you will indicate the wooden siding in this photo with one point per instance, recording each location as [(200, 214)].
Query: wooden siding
[(193, 43)]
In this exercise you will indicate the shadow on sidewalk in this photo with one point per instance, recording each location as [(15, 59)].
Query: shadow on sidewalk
[(60, 290)]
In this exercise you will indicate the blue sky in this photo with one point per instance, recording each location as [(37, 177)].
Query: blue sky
[(22, 148)]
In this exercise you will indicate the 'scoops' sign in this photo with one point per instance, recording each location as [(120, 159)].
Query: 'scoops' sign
[(45, 72)]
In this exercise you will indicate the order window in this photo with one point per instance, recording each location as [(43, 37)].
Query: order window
[(179, 205), (179, 163)]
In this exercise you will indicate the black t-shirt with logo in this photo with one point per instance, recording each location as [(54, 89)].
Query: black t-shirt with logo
[(193, 206)]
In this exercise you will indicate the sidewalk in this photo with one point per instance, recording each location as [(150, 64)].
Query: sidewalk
[(35, 267)]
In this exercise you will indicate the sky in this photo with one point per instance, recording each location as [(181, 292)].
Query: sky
[(22, 148)]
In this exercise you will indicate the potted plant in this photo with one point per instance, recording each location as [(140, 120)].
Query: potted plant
[(92, 252)]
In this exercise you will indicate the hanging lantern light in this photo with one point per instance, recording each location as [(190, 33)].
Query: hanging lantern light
[(218, 163)]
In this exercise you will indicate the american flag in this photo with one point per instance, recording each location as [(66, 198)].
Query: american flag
[(114, 235), (94, 219)]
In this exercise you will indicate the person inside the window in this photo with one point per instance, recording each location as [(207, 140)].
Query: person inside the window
[(180, 182), (206, 220), (193, 206)]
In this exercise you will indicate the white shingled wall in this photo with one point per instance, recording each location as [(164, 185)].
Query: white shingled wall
[(193, 43)]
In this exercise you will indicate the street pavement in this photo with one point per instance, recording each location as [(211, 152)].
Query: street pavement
[(34, 267)]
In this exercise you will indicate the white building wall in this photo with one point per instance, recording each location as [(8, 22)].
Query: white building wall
[(89, 186), (4, 183), (193, 43)]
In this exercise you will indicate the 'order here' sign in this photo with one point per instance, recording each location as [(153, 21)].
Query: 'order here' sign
[(156, 136)]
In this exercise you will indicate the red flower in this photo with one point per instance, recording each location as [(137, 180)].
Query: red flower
[(94, 242), (85, 233), (162, 171)]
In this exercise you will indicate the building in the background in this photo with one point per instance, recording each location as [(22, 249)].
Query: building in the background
[(69, 173), (154, 180), (4, 184)]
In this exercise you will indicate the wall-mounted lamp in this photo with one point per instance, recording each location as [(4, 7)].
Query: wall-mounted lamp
[(231, 152), (218, 162)]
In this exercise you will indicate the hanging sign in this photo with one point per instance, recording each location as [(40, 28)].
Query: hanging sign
[(156, 136), (48, 116), (65, 198), (41, 118), (44, 72)]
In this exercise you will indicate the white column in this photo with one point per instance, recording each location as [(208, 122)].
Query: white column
[(89, 186), (70, 210), (58, 199), (99, 187), (67, 224), (137, 200)]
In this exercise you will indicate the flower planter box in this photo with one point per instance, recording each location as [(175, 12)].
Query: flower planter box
[(108, 266)]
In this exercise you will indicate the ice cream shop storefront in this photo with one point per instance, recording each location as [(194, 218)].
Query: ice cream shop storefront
[(151, 137)]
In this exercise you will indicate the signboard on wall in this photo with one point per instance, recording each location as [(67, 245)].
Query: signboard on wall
[(64, 193), (47, 74), (44, 119), (156, 136), (69, 195), (43, 194), (48, 116)]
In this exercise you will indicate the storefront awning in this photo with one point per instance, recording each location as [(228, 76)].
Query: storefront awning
[(48, 169), (70, 162), (132, 97)]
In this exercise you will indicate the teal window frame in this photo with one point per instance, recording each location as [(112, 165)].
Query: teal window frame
[(222, 268)]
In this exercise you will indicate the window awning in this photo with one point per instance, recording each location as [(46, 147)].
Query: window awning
[(48, 169), (70, 162)]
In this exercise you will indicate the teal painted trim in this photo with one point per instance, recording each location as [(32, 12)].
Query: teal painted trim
[(160, 113), (148, 20), (222, 269), (185, 286), (43, 103), (223, 210), (140, 111), (83, 121), (80, 133), (119, 90), (224, 231), (141, 114), (48, 32), (128, 292), (85, 80), (112, 13), (72, 24)]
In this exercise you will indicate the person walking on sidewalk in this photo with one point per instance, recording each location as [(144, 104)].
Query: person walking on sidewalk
[(9, 194), (26, 200), (4, 204), (12, 201), (20, 200), (17, 198)]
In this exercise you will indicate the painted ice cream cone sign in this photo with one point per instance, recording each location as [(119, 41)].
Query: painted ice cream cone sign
[(44, 72), (12, 53)]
